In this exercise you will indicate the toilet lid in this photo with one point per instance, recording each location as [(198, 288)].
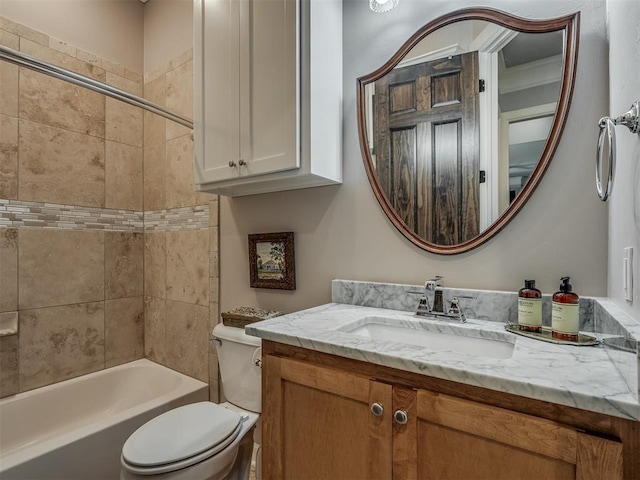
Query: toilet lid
[(180, 434)]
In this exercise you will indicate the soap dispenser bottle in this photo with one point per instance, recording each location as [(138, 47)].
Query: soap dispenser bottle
[(564, 312), (530, 307)]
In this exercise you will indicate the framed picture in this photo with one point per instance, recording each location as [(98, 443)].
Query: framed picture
[(271, 261)]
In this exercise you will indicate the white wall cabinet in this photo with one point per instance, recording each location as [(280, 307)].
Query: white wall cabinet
[(267, 95)]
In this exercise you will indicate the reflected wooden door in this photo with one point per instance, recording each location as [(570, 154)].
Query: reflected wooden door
[(427, 147)]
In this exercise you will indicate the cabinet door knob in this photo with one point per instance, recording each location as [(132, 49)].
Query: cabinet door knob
[(377, 409), (242, 163), (232, 163), (400, 416)]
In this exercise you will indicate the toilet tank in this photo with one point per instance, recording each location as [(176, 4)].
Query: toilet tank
[(241, 377)]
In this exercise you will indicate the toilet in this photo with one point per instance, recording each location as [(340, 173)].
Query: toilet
[(205, 440)]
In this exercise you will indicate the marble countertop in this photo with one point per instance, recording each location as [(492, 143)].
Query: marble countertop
[(581, 377)]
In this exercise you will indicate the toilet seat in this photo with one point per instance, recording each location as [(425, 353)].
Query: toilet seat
[(180, 438)]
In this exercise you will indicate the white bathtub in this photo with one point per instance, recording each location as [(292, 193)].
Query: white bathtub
[(75, 429)]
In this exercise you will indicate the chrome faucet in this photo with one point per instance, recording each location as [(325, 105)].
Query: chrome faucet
[(436, 309)]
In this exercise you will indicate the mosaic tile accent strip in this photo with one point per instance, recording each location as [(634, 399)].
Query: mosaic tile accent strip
[(183, 218), (16, 213)]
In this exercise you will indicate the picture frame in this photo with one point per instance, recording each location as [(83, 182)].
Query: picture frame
[(272, 261)]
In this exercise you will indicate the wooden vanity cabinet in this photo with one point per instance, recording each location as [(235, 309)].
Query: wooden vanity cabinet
[(319, 424)]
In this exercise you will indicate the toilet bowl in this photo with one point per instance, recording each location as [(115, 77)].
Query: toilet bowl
[(204, 440)]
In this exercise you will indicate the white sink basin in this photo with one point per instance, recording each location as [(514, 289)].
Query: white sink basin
[(430, 336)]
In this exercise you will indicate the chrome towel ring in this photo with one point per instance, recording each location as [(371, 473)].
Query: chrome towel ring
[(631, 120)]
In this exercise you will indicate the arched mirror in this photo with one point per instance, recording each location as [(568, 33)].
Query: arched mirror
[(459, 126)]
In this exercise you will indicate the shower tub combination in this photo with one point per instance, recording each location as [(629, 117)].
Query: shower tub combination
[(75, 429)]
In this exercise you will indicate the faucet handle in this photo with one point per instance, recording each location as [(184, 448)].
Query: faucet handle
[(454, 306), (434, 282), (454, 309)]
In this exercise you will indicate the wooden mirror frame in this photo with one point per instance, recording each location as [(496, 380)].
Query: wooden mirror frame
[(570, 24)]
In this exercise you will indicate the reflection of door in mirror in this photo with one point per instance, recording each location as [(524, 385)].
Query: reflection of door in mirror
[(523, 135), (427, 146), (471, 103)]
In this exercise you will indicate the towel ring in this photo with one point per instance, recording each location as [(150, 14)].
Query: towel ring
[(631, 120), (606, 126)]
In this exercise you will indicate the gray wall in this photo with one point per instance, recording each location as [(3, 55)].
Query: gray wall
[(341, 232), (624, 206)]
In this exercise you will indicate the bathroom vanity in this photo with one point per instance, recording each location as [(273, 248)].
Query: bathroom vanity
[(342, 401)]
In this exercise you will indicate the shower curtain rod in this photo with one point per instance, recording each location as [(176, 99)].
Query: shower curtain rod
[(23, 60)]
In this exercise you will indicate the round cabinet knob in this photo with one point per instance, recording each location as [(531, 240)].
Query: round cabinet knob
[(242, 163), (232, 163), (400, 416), (377, 409)]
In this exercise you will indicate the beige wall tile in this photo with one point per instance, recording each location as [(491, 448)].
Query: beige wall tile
[(214, 211), (8, 157), (214, 319), (155, 262), (58, 103), (127, 84), (135, 76), (58, 343), (214, 388), (9, 81), (60, 166), (123, 123), (9, 77), (23, 31), (187, 328), (155, 125), (89, 58), (123, 265), (57, 267), (123, 330), (62, 46), (123, 176), (8, 39), (8, 269), (188, 266), (113, 67), (180, 187), (180, 97), (9, 366), (154, 329), (155, 174), (214, 241), (60, 59), (213, 290)]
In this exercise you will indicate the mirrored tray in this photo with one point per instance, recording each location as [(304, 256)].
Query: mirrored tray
[(545, 336)]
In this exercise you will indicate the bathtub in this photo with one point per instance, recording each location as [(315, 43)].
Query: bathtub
[(75, 429)]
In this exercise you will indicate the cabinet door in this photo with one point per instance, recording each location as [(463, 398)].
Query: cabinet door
[(318, 423), (217, 89), (269, 41), (246, 84), (461, 439)]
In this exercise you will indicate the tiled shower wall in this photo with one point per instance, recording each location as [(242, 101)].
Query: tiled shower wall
[(181, 259), (81, 176)]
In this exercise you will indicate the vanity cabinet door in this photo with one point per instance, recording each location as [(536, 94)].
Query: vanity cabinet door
[(461, 439), (319, 424)]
